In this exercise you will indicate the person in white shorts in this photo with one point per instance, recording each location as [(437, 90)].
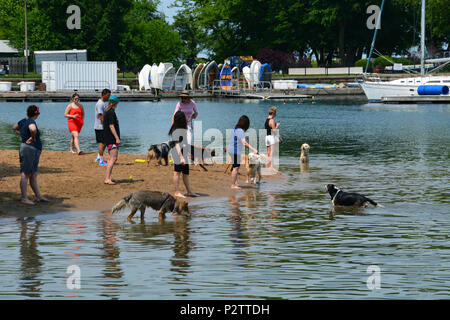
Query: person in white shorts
[(270, 125), (100, 107)]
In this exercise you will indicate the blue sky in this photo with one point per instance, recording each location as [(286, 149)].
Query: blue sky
[(169, 12)]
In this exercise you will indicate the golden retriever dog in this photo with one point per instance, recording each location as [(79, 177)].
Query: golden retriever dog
[(254, 165), (304, 156)]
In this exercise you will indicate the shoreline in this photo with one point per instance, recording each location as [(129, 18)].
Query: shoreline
[(75, 183)]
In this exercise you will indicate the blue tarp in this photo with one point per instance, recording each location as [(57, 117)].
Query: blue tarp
[(266, 73)]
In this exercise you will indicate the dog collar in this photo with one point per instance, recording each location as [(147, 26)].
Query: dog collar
[(332, 200)]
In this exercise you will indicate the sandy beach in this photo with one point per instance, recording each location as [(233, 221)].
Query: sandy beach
[(75, 182)]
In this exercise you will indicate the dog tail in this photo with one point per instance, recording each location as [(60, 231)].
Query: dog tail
[(121, 204), (371, 201)]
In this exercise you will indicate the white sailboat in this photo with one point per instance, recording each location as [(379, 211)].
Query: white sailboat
[(375, 89)]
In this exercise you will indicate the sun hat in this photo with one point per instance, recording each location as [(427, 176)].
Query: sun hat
[(113, 99), (184, 93)]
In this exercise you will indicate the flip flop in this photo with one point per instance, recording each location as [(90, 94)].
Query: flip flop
[(110, 183), (42, 200)]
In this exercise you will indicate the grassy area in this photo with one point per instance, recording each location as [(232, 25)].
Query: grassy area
[(20, 76), (126, 75), (120, 75)]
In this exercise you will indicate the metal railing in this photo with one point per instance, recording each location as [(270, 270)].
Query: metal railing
[(240, 86)]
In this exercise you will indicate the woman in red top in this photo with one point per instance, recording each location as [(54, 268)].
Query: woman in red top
[(75, 120)]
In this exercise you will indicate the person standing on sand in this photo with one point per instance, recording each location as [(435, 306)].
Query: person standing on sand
[(237, 142), (98, 125), (178, 133), (189, 108), (75, 121), (29, 154), (270, 125), (111, 136)]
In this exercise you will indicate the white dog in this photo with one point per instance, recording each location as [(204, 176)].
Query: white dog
[(304, 156), (254, 165)]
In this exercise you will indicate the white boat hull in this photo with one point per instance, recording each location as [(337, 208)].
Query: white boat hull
[(375, 91), (405, 87)]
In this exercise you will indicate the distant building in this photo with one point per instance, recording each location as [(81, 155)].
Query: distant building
[(6, 51), (58, 55), (10, 62)]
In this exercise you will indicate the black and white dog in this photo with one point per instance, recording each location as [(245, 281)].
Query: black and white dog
[(341, 198), (160, 152)]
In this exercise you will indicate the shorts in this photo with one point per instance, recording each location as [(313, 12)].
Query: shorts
[(180, 168), (112, 146), (270, 140), (99, 136), (236, 160), (29, 158)]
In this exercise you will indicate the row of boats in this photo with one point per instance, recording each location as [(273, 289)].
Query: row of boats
[(205, 76)]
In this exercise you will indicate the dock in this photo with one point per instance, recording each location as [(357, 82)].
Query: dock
[(152, 96), (44, 96), (268, 96), (416, 99)]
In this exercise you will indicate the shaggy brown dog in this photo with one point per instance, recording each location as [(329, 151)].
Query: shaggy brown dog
[(161, 201)]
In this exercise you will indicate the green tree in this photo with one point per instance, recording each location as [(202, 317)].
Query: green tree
[(149, 38), (186, 23)]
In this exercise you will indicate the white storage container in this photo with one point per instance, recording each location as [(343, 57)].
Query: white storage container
[(26, 86), (79, 75), (291, 84), (277, 84), (284, 84), (5, 86)]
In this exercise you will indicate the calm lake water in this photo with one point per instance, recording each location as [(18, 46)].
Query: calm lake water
[(279, 241)]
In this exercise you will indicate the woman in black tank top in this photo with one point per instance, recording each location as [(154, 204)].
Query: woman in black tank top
[(270, 125), (267, 127)]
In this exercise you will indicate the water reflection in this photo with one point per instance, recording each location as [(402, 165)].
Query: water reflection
[(239, 236), (30, 258), (180, 260), (112, 272)]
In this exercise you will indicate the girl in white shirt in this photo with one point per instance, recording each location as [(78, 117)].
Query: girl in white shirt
[(237, 142)]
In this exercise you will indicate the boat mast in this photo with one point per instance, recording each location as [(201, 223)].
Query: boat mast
[(422, 41), (374, 37)]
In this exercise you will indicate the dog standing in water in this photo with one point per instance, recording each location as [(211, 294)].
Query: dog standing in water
[(341, 198), (162, 201), (304, 158), (254, 168)]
